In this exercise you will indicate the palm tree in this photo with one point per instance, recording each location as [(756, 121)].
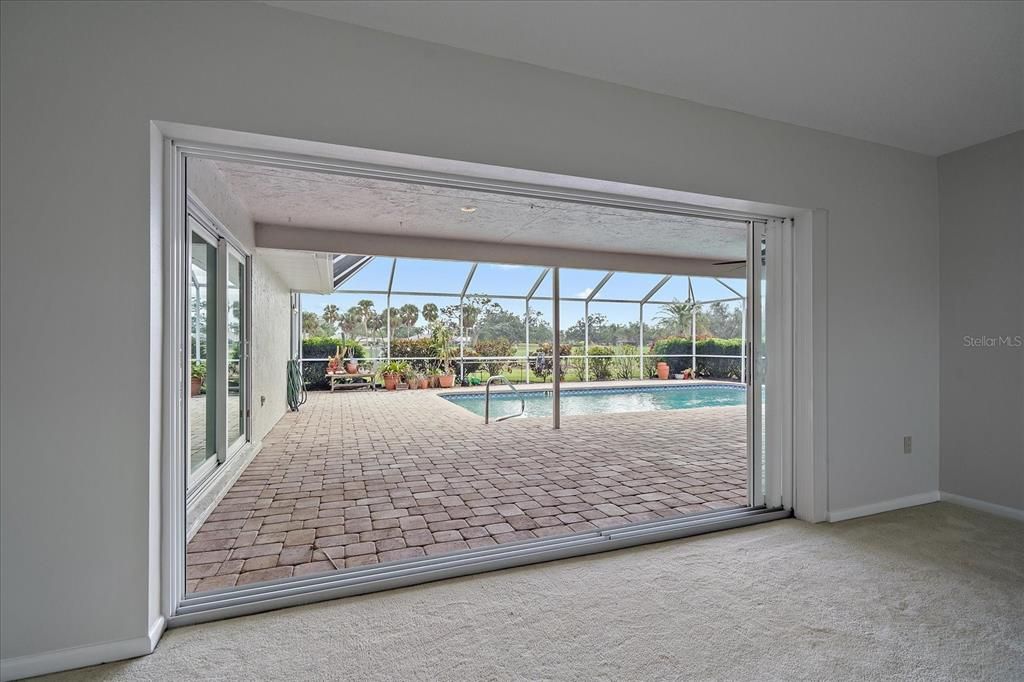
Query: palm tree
[(395, 316), (409, 314), (350, 322), (332, 316), (677, 315), (375, 322), (430, 312), (366, 310), (310, 324)]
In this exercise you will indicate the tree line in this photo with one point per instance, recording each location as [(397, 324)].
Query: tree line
[(484, 319)]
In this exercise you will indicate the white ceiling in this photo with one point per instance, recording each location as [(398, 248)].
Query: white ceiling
[(281, 196), (930, 77)]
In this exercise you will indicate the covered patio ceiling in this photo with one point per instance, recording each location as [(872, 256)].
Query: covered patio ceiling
[(299, 198)]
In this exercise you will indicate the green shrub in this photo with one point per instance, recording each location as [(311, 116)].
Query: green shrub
[(627, 367), (600, 367), (469, 365), (314, 374), (494, 348), (415, 348), (576, 362), (541, 360), (711, 368)]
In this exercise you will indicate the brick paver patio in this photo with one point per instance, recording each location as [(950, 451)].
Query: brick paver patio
[(362, 478)]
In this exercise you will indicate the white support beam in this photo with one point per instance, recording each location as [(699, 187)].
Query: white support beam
[(657, 287), (295, 237), (387, 307), (556, 353)]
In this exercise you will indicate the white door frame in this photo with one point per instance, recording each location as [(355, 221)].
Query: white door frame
[(180, 142), (196, 478), (245, 334)]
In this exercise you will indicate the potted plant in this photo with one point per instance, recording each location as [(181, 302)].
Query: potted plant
[(391, 372), (351, 364), (423, 381), (441, 339), (663, 370), (198, 376)]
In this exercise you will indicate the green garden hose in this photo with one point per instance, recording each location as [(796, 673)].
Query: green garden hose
[(296, 388)]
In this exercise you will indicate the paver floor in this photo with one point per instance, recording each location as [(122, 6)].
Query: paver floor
[(361, 478)]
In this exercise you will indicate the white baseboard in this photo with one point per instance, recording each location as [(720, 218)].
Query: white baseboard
[(981, 505), (880, 507), (81, 656)]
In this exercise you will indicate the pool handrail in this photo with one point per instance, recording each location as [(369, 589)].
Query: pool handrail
[(487, 400)]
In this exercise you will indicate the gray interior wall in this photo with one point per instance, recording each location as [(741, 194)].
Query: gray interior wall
[(981, 200), (82, 81)]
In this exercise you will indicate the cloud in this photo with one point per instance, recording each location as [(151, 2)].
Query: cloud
[(586, 292)]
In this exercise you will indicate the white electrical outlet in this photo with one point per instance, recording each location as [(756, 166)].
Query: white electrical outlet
[(906, 445)]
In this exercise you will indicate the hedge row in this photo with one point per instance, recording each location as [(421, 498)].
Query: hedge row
[(712, 368), (314, 373)]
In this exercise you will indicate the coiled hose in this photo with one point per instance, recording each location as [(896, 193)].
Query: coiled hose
[(296, 387)]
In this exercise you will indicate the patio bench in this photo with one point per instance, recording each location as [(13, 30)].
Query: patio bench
[(346, 381)]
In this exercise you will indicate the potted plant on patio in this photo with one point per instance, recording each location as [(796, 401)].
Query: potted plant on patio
[(198, 375), (351, 365), (663, 370), (422, 381), (441, 339), (391, 372)]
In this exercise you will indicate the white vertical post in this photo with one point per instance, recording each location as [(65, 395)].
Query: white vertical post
[(220, 309), (462, 339), (743, 345), (641, 341), (387, 312), (586, 341), (387, 315), (556, 355), (693, 340), (526, 364)]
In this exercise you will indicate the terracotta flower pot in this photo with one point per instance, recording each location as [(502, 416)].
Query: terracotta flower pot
[(424, 383), (196, 387), (352, 367), (446, 380), (390, 382), (663, 370)]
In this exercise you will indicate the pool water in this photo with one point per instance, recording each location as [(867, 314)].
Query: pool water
[(601, 400)]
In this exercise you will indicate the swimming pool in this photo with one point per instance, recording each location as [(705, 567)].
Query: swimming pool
[(577, 401)]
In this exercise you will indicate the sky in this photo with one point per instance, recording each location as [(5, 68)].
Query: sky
[(449, 277)]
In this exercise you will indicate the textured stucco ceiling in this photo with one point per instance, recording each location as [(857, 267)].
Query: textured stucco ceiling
[(326, 201)]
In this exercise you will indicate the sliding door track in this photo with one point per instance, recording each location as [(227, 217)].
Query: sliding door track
[(231, 602)]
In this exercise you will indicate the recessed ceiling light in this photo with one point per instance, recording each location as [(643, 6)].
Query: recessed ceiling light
[(468, 209)]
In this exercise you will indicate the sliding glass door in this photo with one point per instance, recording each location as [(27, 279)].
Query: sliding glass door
[(203, 351), (237, 347), (218, 330)]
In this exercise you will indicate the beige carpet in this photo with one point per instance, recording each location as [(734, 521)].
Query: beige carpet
[(930, 593)]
